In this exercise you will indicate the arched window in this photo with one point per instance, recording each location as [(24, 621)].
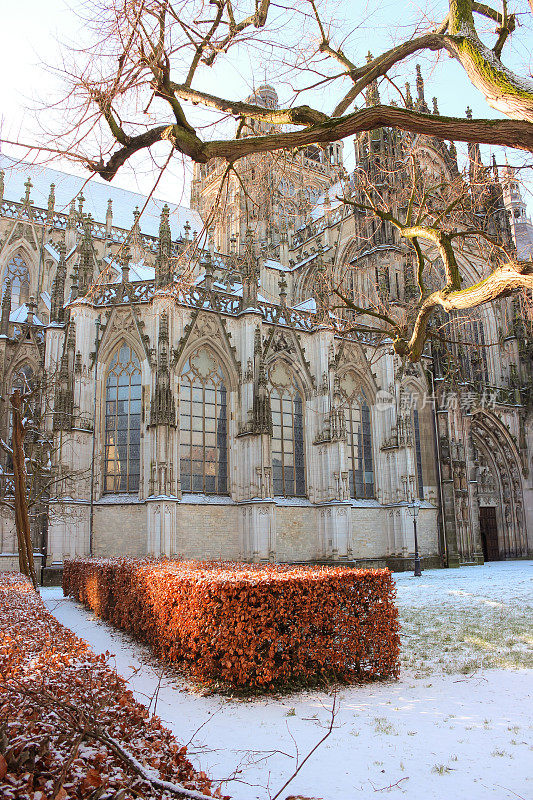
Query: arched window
[(419, 413), (123, 422), (288, 464), (358, 437), (17, 272), (418, 454), (203, 425)]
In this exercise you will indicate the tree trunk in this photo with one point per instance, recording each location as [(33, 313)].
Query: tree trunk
[(22, 519)]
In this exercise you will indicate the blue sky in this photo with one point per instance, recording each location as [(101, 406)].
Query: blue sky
[(30, 30)]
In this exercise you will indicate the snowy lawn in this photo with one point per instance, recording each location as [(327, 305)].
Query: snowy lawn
[(457, 724)]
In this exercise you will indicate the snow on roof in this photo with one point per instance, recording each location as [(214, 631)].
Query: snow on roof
[(138, 272), (307, 305), (20, 314), (96, 194), (52, 251), (333, 192)]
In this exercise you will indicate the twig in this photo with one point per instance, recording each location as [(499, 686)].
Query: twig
[(390, 786), (313, 750)]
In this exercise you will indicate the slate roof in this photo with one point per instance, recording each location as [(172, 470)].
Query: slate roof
[(96, 193)]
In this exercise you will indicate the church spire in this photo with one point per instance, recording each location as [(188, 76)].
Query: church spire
[(57, 311), (86, 261), (163, 411), (6, 308), (162, 264), (421, 102), (475, 165), (51, 201), (372, 93), (250, 273)]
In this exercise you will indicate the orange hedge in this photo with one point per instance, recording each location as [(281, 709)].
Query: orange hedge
[(62, 708), (249, 626)]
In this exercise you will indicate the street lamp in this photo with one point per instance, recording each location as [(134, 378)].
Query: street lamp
[(414, 508)]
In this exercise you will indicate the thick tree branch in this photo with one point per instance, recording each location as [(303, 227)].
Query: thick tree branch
[(300, 115), (505, 280), (381, 64), (488, 131), (503, 90), (512, 133)]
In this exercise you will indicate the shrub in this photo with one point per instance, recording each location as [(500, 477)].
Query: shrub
[(69, 727), (249, 626)]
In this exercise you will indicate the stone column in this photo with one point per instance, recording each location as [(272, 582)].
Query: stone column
[(254, 452)]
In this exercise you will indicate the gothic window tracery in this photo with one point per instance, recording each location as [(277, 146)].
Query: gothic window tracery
[(418, 455), (359, 438), (203, 425), (123, 422), (17, 272), (288, 463)]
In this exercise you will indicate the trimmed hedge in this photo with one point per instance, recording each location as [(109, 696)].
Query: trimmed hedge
[(249, 626), (65, 717)]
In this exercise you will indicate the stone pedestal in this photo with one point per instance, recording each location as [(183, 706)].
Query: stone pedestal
[(335, 531), (258, 530), (161, 526)]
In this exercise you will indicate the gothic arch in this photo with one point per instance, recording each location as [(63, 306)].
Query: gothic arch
[(207, 330), (22, 247), (122, 420), (24, 288), (204, 421), (302, 378), (121, 328), (364, 378), (500, 486), (357, 402), (16, 367), (228, 367), (289, 427), (421, 416)]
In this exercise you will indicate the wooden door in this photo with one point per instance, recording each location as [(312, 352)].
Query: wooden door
[(489, 533)]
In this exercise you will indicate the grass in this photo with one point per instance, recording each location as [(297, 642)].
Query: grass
[(440, 769), (465, 639)]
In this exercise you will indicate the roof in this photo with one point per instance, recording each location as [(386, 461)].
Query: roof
[(96, 193)]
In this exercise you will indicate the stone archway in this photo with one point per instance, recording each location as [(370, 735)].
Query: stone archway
[(498, 493)]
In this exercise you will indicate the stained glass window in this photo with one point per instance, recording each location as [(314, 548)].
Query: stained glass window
[(203, 425), (18, 274), (123, 422), (418, 455), (358, 439), (288, 463)]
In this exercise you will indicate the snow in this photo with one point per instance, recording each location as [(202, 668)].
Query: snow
[(20, 314), (452, 726), (138, 271), (307, 305), (96, 194)]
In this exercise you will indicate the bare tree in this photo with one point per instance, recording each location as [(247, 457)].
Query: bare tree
[(37, 476), (446, 239), (135, 87)]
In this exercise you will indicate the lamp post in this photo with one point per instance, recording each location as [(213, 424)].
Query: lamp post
[(414, 508)]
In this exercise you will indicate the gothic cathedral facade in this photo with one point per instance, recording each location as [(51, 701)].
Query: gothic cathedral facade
[(197, 401)]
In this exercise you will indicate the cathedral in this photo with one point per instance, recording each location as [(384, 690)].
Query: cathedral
[(199, 401)]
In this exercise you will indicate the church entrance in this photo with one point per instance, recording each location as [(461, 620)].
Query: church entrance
[(488, 528)]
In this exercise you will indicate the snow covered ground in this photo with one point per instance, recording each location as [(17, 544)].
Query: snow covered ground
[(457, 724)]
